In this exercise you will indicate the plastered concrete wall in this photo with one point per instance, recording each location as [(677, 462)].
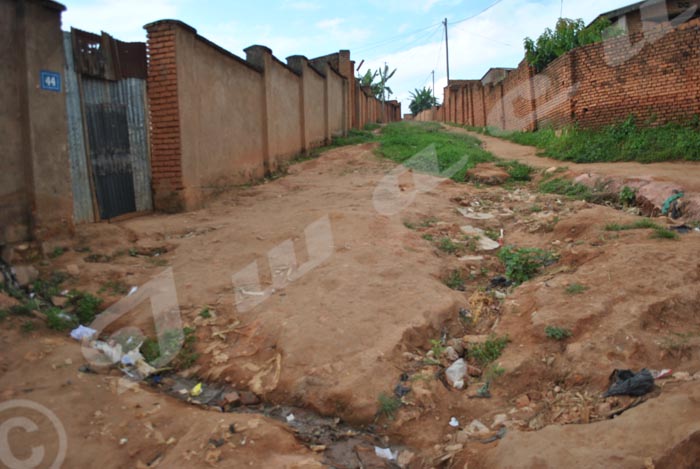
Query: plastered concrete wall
[(220, 118), (217, 119), (651, 75), (35, 196), (284, 111)]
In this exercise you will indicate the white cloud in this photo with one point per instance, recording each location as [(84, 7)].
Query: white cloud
[(303, 6), (124, 19), (331, 23), (493, 39)]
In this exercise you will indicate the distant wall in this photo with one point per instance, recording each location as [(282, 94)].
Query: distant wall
[(218, 119), (651, 77), (35, 186)]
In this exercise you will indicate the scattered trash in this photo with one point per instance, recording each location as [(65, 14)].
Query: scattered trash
[(671, 204), (465, 314), (86, 369), (217, 443), (628, 383), (401, 390), (132, 291), (484, 243), (660, 374), (123, 441), (473, 215), (454, 423), (498, 436), (81, 333), (476, 427), (681, 229), (290, 418), (386, 453), (455, 374), (196, 390), (500, 281)]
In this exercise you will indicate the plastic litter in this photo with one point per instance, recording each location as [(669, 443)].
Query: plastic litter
[(82, 333), (196, 390), (132, 291), (386, 453), (628, 383), (454, 423), (473, 215), (290, 418), (668, 204), (660, 374), (455, 374)]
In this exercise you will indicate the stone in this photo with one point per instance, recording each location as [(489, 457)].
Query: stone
[(456, 448), (522, 401), (682, 376), (450, 353), (499, 420), (550, 170), (476, 427), (475, 339), (487, 173), (455, 374), (25, 274), (73, 269), (405, 458), (457, 345), (473, 371), (232, 399), (59, 301), (249, 398)]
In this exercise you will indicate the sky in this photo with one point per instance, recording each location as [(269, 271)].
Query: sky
[(405, 34)]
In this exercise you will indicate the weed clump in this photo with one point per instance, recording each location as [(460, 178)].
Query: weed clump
[(388, 405), (557, 333), (524, 263), (489, 351)]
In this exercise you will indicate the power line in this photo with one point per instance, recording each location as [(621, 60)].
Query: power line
[(478, 14)]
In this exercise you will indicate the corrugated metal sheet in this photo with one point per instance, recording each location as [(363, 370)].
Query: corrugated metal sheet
[(80, 178), (131, 93)]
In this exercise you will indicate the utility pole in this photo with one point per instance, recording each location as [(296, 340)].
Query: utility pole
[(433, 72), (447, 52)]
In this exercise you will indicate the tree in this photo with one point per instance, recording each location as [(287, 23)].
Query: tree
[(379, 88), (421, 100), (567, 35), (368, 80), (384, 77)]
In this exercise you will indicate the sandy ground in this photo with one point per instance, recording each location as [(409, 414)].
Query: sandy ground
[(325, 292)]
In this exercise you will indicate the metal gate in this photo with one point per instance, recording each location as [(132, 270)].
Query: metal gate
[(107, 126)]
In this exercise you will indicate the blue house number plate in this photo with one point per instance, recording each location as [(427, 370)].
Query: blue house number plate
[(50, 81)]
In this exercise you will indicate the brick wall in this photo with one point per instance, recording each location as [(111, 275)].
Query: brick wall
[(166, 169), (651, 75)]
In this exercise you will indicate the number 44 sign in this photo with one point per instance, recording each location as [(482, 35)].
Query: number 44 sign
[(50, 81)]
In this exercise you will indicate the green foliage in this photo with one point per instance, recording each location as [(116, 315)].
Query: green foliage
[(437, 347), (427, 237), (557, 333), (59, 320), (455, 280), (370, 126), (576, 288), (412, 144), (57, 252), (568, 34), (388, 405), (21, 310), (377, 80), (517, 170), (565, 187), (353, 137), (524, 263), (644, 223), (86, 306), (623, 141), (628, 195), (46, 288), (205, 313), (177, 344), (421, 100), (447, 245), (663, 233), (489, 351)]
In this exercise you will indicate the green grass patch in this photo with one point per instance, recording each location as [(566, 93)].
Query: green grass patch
[(402, 141), (624, 141), (354, 137), (388, 406), (637, 225), (524, 263), (27, 327), (59, 320), (114, 287), (489, 351), (517, 171), (557, 333), (447, 245), (370, 126), (176, 349), (565, 187), (576, 288), (205, 313), (455, 280), (57, 252), (663, 233)]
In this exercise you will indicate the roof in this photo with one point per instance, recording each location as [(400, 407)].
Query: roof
[(613, 14)]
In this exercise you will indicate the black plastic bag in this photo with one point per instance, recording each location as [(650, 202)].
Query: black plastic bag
[(628, 383)]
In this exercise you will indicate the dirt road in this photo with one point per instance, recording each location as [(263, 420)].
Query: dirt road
[(327, 289)]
